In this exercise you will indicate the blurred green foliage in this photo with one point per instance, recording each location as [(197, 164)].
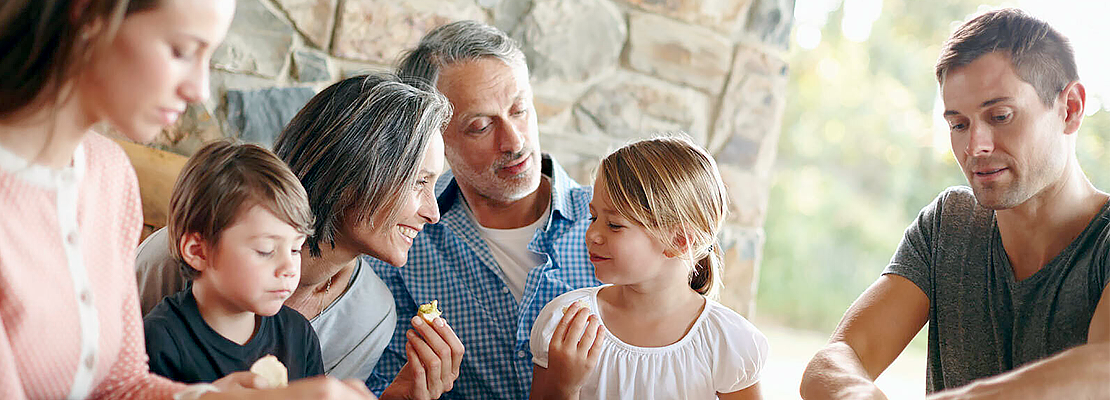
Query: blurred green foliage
[(860, 156)]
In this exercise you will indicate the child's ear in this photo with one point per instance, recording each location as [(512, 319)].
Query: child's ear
[(195, 251), (680, 244)]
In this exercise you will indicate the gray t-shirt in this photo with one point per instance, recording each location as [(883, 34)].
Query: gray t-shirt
[(353, 330), (982, 322)]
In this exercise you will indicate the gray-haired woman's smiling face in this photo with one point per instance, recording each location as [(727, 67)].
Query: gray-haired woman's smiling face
[(390, 241)]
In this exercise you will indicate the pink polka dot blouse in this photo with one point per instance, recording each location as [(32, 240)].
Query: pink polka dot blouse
[(68, 304)]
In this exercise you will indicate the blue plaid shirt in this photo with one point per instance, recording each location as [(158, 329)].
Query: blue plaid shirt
[(450, 262)]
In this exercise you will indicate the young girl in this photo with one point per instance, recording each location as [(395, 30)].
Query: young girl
[(652, 330)]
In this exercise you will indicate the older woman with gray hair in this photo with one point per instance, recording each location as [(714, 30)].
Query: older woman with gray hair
[(368, 150)]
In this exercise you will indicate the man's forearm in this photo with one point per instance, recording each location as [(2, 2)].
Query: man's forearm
[(1082, 372), (837, 373)]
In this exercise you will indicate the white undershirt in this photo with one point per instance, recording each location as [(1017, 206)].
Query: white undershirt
[(509, 248)]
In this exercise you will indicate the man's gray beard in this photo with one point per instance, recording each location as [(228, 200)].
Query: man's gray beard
[(517, 188)]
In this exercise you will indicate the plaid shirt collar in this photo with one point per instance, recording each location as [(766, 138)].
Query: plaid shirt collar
[(449, 195)]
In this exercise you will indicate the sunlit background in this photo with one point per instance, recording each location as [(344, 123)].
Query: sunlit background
[(864, 148)]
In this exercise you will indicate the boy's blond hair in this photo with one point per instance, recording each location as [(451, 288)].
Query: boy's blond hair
[(221, 181), (671, 187)]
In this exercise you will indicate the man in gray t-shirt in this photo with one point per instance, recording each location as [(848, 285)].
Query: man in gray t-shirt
[(982, 320), (1010, 273)]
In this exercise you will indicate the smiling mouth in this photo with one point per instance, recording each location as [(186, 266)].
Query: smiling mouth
[(407, 231)]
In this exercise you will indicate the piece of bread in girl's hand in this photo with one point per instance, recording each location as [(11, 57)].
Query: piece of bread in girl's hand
[(580, 302), (429, 311), (272, 370)]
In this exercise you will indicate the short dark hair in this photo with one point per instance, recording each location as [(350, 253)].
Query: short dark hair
[(1039, 54), (221, 181), (357, 145), (454, 42)]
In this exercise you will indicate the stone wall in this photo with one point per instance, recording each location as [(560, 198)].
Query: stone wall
[(604, 72)]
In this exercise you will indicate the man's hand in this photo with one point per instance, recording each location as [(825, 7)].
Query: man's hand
[(572, 354), (434, 357)]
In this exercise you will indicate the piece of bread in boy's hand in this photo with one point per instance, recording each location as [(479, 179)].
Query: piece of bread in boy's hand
[(272, 370), (429, 311), (580, 302)]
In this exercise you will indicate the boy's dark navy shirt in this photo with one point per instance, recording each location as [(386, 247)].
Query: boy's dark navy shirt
[(182, 347)]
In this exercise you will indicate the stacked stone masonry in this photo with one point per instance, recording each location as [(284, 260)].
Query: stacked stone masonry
[(605, 72)]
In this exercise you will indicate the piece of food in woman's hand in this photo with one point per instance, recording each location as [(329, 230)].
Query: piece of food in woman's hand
[(429, 311), (580, 302), (272, 370)]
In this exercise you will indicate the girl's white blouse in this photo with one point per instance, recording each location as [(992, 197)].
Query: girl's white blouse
[(722, 352)]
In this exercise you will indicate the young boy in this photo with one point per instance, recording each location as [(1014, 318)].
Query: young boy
[(238, 218)]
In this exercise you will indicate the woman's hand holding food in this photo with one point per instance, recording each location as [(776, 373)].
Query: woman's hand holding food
[(434, 355)]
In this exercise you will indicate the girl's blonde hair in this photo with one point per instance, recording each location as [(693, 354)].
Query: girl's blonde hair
[(672, 187)]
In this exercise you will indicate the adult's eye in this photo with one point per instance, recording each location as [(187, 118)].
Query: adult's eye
[(479, 129)]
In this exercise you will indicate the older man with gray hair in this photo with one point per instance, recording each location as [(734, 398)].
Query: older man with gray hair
[(512, 232)]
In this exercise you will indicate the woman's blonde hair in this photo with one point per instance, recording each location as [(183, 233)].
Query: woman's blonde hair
[(672, 187)]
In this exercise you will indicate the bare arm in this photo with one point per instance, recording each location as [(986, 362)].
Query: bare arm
[(1078, 373), (1099, 330), (749, 393), (314, 388), (1081, 372), (873, 332), (541, 389)]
